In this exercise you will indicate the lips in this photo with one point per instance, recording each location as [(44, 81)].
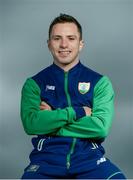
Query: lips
[(64, 52)]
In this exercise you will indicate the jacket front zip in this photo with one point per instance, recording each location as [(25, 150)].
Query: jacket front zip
[(66, 89), (74, 139), (70, 153)]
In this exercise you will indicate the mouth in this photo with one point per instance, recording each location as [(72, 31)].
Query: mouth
[(64, 52)]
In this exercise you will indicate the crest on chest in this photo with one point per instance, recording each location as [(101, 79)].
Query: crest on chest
[(83, 87)]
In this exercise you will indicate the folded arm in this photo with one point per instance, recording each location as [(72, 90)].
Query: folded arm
[(98, 124), (36, 120)]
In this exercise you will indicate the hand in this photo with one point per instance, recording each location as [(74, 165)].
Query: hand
[(88, 110), (45, 106)]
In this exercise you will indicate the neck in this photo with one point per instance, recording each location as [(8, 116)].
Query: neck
[(67, 67)]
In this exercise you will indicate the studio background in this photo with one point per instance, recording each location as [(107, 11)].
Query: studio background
[(108, 36)]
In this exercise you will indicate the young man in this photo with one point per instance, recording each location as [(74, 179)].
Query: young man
[(69, 107)]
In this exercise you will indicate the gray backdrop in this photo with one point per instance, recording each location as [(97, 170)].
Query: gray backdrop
[(108, 35)]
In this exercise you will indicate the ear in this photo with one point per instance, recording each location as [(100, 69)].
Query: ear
[(48, 43), (81, 45)]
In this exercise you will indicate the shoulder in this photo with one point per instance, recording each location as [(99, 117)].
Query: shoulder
[(93, 76), (104, 86), (42, 73), (97, 79), (39, 77)]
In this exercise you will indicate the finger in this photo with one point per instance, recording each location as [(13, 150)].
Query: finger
[(42, 107), (87, 110), (45, 108), (43, 103)]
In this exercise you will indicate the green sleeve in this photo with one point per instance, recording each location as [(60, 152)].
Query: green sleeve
[(36, 121), (97, 125)]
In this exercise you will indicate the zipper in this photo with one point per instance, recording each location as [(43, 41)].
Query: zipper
[(68, 163), (66, 89), (70, 153)]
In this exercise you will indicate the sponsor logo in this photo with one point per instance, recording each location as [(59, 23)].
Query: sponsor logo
[(33, 168), (94, 146), (83, 87), (101, 160), (49, 87)]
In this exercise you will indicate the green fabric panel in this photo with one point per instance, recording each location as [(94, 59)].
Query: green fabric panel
[(66, 89), (98, 124), (36, 121)]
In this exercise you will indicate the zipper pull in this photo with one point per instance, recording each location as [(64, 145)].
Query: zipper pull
[(68, 165)]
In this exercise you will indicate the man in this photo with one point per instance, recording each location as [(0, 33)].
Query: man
[(69, 107)]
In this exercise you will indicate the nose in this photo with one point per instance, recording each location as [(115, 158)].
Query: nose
[(63, 43)]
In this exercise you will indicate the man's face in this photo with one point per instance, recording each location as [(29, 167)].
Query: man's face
[(65, 43)]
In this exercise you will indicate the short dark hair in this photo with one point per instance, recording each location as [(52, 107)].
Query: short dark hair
[(65, 18)]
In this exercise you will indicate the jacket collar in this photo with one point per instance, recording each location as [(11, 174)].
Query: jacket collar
[(58, 69)]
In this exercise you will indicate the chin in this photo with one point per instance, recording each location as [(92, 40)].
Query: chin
[(66, 63)]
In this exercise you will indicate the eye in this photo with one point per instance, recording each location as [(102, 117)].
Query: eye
[(56, 38), (71, 38)]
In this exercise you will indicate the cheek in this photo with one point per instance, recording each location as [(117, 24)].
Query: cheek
[(77, 49), (77, 46), (53, 48)]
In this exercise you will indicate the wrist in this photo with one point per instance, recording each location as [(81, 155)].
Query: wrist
[(80, 112)]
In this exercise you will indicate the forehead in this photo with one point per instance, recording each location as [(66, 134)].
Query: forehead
[(65, 29)]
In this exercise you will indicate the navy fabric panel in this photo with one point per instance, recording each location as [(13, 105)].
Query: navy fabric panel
[(80, 75), (59, 147), (52, 77), (87, 161)]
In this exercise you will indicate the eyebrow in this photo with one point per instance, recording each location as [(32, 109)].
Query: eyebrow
[(74, 36)]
